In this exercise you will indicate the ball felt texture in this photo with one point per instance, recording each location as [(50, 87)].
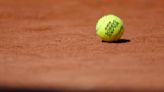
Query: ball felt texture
[(109, 28)]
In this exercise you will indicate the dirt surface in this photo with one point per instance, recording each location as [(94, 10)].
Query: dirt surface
[(52, 45)]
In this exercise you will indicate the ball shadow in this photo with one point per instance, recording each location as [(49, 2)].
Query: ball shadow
[(119, 41)]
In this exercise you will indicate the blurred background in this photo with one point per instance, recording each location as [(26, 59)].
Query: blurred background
[(51, 45)]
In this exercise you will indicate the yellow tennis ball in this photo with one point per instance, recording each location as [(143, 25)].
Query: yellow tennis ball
[(109, 28)]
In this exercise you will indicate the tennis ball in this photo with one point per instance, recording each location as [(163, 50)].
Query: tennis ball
[(109, 28)]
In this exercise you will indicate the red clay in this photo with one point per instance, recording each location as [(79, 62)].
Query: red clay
[(51, 44)]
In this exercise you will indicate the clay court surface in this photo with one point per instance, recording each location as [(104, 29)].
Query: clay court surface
[(52, 45)]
